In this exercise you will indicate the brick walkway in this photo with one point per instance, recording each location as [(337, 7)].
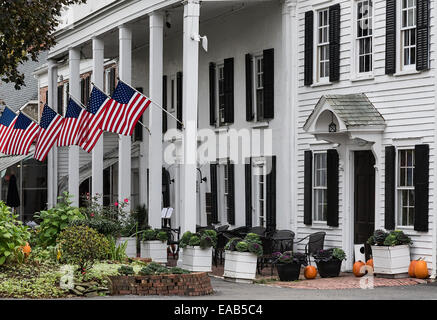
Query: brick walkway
[(344, 281)]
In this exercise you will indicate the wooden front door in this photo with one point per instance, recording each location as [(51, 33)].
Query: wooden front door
[(364, 199)]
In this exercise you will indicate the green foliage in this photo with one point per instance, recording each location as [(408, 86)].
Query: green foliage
[(13, 235), (194, 241), (42, 255), (81, 245), (162, 236), (57, 219), (27, 28), (251, 243), (116, 252), (290, 257), (154, 268), (394, 238), (102, 225), (205, 239), (242, 246), (149, 235), (339, 254), (126, 270)]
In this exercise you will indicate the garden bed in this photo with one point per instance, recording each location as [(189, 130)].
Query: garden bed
[(193, 284)]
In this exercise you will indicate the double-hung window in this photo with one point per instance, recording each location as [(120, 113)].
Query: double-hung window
[(323, 45), (223, 189), (260, 192), (259, 87), (364, 35), (405, 187), (320, 187), (408, 34), (220, 94)]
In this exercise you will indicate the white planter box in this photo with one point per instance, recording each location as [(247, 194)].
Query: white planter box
[(131, 249), (196, 259), (391, 260), (156, 250), (240, 266)]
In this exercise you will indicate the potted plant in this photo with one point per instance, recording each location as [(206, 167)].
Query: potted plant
[(390, 252), (197, 254), (288, 265), (241, 257), (154, 245), (329, 262)]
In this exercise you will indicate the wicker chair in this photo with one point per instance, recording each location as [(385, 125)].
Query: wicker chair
[(315, 243)]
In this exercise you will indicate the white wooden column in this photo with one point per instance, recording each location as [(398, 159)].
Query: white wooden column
[(124, 143), (190, 106), (52, 167), (97, 153), (73, 151), (155, 118)]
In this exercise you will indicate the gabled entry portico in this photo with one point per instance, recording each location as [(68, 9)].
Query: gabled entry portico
[(353, 127)]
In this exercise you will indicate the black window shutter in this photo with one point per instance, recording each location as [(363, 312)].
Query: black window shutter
[(248, 186), (164, 104), (138, 130), (271, 197), (390, 187), (390, 37), (165, 188), (60, 100), (308, 56), (179, 99), (269, 83), (87, 89), (249, 87), (112, 81), (332, 186), (334, 42), (231, 193), (308, 188), (214, 205), (421, 187), (229, 90), (212, 95), (422, 35), (82, 91)]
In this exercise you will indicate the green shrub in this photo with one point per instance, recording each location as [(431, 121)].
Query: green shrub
[(208, 239), (149, 235), (54, 220), (102, 225), (339, 254), (13, 235), (177, 270), (154, 268), (185, 239), (194, 241), (126, 270), (253, 237), (162, 236), (81, 245), (232, 243), (116, 252), (242, 246)]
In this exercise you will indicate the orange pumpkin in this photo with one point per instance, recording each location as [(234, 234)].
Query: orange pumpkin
[(310, 272), (370, 262), (421, 269), (412, 268), (357, 268), (26, 249)]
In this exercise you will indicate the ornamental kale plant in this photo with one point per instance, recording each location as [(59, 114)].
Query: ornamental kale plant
[(290, 257), (251, 243), (205, 239), (394, 238), (329, 255), (155, 234)]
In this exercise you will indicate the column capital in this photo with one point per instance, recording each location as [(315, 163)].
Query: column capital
[(52, 63), (289, 6)]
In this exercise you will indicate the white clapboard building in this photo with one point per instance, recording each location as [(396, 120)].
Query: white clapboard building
[(341, 95)]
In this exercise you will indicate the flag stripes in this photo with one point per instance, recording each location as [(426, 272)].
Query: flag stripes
[(49, 129), (7, 122), (23, 134)]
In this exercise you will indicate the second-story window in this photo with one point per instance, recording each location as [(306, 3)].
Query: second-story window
[(364, 35), (408, 33), (323, 44), (259, 87), (221, 93)]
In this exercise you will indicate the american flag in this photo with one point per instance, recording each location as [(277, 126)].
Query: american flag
[(49, 129), (75, 122), (124, 110), (7, 122), (23, 133), (91, 131)]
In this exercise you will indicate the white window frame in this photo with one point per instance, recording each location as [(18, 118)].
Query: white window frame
[(356, 42), (317, 46), (400, 38), (400, 188), (257, 86), (259, 169), (315, 188)]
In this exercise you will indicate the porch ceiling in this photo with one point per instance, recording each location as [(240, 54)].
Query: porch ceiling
[(211, 11)]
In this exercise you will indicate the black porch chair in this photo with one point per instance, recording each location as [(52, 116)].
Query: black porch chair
[(173, 240), (281, 241), (239, 232), (315, 243), (261, 231), (222, 239)]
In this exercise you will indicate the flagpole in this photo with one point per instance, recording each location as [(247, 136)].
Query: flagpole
[(157, 105), (111, 98)]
